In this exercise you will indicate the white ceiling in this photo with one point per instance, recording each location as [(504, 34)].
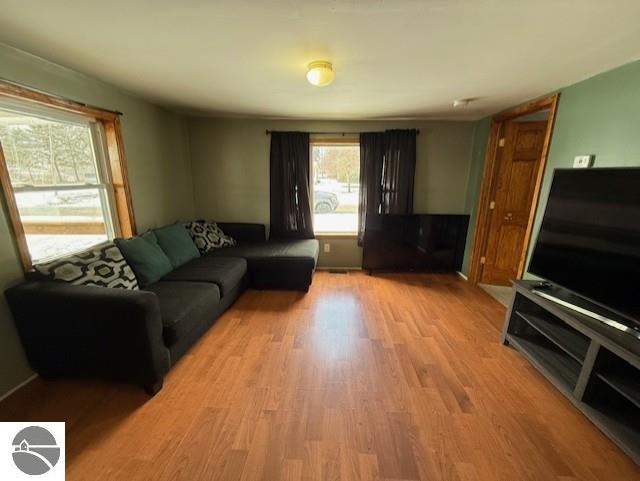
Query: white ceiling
[(393, 58)]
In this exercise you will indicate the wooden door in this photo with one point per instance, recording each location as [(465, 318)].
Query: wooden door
[(514, 189)]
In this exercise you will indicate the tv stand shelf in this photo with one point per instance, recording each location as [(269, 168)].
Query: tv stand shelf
[(594, 365), (569, 341)]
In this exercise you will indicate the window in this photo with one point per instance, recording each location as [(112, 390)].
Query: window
[(336, 175), (63, 178)]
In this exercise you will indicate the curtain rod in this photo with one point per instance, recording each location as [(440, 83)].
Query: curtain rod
[(343, 134)]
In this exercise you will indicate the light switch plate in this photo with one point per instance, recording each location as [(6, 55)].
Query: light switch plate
[(583, 161), (327, 247)]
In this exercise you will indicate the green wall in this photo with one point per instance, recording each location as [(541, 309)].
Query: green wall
[(156, 144), (597, 116), (231, 159)]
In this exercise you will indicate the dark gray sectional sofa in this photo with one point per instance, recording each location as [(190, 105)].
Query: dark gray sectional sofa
[(137, 335), (277, 264)]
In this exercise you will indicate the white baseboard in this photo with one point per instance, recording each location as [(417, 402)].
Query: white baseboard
[(19, 386), (463, 276)]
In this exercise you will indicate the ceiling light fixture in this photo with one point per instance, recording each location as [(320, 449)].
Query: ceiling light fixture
[(320, 73), (461, 103)]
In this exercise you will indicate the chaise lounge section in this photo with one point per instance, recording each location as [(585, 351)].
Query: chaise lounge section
[(274, 264), (137, 335)]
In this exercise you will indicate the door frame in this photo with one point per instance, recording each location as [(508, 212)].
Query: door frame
[(488, 187)]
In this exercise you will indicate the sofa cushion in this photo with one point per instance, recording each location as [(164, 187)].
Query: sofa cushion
[(244, 232), (225, 272), (147, 259), (208, 236), (299, 252), (176, 243), (102, 266), (279, 264), (183, 306)]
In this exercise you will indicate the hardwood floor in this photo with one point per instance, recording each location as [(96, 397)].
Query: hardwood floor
[(391, 377)]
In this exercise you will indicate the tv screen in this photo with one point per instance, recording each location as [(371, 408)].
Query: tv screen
[(589, 240)]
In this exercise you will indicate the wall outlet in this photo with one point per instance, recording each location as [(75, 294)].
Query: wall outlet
[(327, 247), (583, 161)]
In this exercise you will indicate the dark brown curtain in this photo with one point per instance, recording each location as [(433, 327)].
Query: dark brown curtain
[(387, 170), (289, 182), (398, 172), (371, 160)]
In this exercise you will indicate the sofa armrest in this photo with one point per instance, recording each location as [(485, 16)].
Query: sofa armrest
[(244, 231), (71, 330)]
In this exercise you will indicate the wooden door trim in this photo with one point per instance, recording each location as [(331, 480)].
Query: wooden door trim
[(483, 215)]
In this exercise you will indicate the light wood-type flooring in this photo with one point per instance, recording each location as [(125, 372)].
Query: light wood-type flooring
[(389, 377)]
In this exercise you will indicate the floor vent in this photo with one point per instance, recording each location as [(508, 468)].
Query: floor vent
[(338, 271)]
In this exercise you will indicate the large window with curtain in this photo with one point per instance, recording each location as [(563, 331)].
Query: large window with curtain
[(335, 184)]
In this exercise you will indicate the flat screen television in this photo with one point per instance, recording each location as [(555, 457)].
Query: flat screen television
[(589, 240)]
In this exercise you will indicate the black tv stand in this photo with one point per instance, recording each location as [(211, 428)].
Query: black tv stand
[(596, 366), (585, 307)]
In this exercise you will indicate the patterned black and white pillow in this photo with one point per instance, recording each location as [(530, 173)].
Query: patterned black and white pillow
[(208, 236), (102, 266), (224, 239), (199, 232)]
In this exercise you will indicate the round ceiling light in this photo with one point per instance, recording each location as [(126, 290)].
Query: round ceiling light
[(462, 103), (320, 73)]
